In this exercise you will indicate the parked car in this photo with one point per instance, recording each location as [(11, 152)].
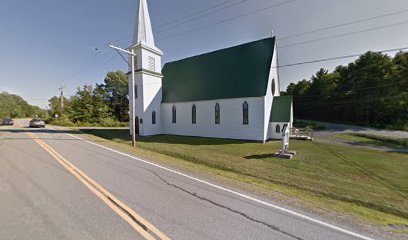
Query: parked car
[(36, 123), (7, 122)]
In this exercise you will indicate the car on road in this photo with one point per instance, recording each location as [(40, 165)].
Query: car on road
[(7, 122), (36, 123)]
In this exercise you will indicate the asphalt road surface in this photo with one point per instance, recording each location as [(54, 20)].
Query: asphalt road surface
[(56, 186)]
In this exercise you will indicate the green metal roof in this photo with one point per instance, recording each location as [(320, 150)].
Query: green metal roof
[(281, 109), (236, 72)]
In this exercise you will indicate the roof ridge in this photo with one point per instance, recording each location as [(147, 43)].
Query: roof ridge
[(219, 50)]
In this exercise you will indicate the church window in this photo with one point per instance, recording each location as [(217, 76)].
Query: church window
[(273, 87), (153, 117), (217, 114), (278, 128), (174, 114), (194, 114), (135, 91), (135, 63), (152, 64), (245, 110)]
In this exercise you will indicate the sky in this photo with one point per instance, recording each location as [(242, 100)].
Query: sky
[(48, 43)]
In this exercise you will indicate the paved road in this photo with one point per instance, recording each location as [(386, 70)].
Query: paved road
[(43, 197), (329, 136), (343, 128)]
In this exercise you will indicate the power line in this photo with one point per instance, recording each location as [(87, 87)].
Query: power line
[(188, 16), (123, 57), (195, 13), (345, 34), (338, 58), (344, 24), (95, 65), (355, 90), (230, 19), (87, 66), (293, 35), (199, 17)]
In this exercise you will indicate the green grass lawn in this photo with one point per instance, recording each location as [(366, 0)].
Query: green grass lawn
[(374, 180)]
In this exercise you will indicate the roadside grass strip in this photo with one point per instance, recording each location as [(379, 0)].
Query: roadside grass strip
[(244, 196)]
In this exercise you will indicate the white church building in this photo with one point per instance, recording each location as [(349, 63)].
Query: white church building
[(232, 93)]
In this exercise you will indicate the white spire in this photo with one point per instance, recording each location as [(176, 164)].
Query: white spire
[(143, 30)]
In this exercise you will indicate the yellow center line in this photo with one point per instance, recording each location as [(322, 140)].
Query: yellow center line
[(125, 212)]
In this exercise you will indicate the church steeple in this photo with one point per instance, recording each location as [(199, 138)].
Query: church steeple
[(148, 77), (143, 32)]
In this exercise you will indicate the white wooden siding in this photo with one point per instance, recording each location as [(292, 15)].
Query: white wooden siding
[(231, 125)]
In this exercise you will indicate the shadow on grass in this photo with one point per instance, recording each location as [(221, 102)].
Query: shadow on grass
[(122, 135), (260, 156)]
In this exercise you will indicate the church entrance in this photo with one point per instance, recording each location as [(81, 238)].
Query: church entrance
[(137, 125)]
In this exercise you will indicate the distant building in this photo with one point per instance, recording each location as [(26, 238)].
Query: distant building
[(230, 93)]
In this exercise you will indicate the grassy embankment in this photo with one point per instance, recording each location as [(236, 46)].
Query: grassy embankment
[(365, 184)]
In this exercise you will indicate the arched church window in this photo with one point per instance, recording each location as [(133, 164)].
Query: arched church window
[(194, 114), (273, 87), (278, 128), (153, 117), (217, 114), (174, 114), (245, 111)]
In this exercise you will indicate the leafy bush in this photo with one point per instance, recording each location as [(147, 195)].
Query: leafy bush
[(104, 122), (61, 121), (111, 122)]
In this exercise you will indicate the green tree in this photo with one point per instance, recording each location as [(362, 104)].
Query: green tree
[(55, 106), (115, 90), (399, 107), (370, 91), (16, 107), (88, 105), (82, 105)]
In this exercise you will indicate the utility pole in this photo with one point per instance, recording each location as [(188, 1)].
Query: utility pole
[(132, 102), (62, 97)]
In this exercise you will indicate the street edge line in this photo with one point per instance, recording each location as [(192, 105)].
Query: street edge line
[(328, 225)]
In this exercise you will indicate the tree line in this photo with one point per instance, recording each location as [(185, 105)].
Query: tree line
[(105, 104), (372, 91), (14, 106)]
